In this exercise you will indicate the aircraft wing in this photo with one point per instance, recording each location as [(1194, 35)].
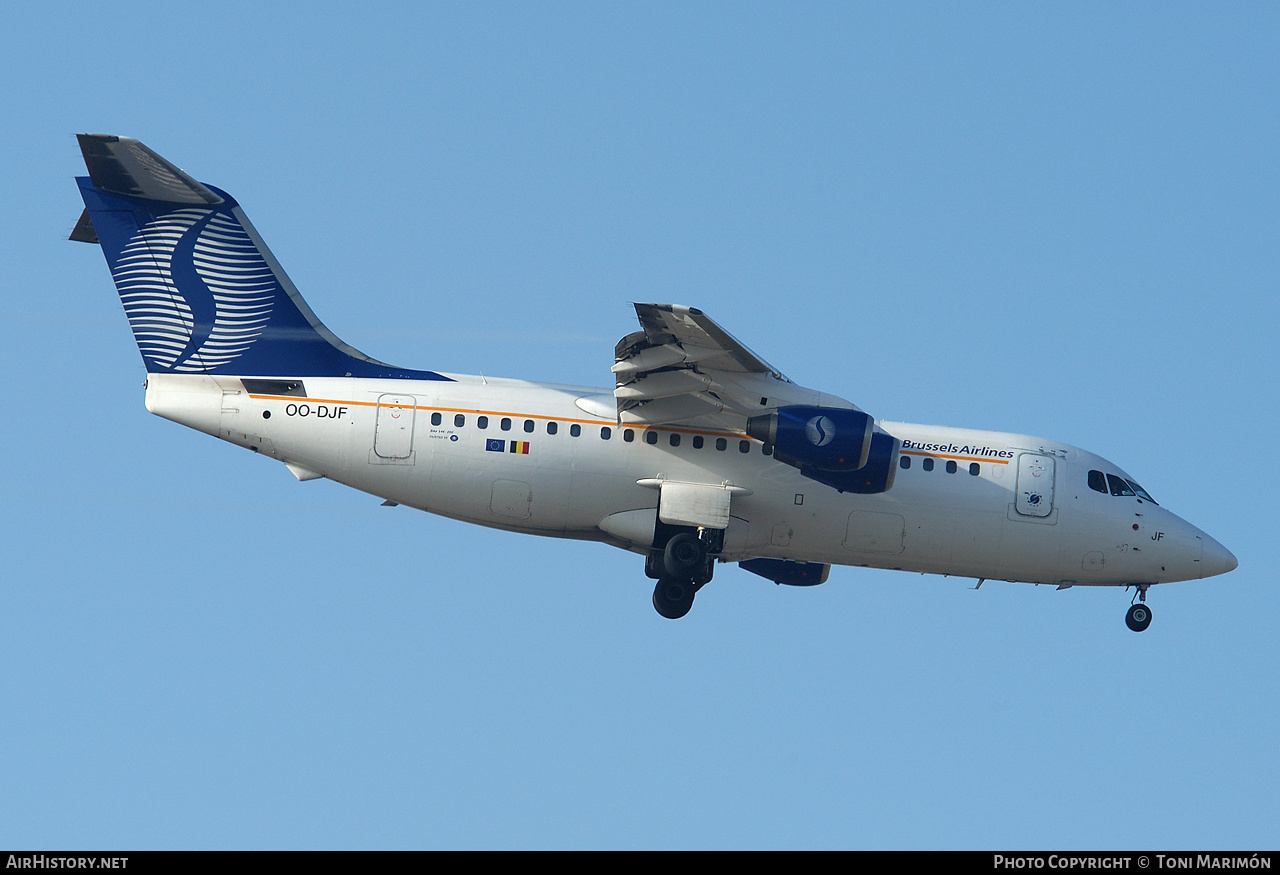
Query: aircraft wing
[(683, 366)]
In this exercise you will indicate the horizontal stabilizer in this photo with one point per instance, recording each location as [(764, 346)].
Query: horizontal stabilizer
[(124, 166)]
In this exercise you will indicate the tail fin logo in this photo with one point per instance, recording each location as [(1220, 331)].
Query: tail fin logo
[(196, 290)]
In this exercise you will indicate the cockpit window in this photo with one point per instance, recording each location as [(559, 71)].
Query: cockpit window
[(1105, 483), (1142, 493), (1119, 486)]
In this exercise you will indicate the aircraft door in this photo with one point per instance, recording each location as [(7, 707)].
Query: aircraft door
[(393, 434), (1035, 485)]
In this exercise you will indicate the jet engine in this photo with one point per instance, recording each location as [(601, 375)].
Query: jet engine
[(874, 477), (825, 438), (788, 571)]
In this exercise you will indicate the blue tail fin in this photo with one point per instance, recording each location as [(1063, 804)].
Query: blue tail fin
[(202, 292)]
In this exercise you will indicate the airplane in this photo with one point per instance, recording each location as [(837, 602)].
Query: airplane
[(702, 453)]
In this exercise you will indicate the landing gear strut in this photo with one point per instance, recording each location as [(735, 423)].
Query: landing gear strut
[(682, 568), (1138, 617)]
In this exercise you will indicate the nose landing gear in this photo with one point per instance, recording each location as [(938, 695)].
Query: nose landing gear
[(1138, 617), (682, 569)]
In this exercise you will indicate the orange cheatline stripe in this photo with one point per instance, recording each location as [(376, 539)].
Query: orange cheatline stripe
[(960, 458), (296, 398), (477, 412)]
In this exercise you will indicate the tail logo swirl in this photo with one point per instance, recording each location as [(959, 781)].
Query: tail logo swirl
[(196, 290)]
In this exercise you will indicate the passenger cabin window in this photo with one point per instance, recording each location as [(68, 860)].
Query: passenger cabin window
[(436, 419), (1118, 485), (650, 437), (975, 469), (629, 435), (575, 430), (904, 462), (552, 427), (927, 464), (606, 433), (744, 446), (459, 420), (528, 425), (951, 467), (505, 424), (722, 444), (482, 422), (1098, 482), (675, 440), (697, 441)]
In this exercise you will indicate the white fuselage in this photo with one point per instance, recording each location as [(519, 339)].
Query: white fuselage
[(1011, 507)]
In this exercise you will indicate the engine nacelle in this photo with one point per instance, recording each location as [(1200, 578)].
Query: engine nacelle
[(874, 477), (788, 572), (825, 438)]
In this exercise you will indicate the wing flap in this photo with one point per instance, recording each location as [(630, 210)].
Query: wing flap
[(683, 366), (663, 384), (664, 411)]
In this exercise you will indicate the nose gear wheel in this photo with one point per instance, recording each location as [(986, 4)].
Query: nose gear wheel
[(1138, 617)]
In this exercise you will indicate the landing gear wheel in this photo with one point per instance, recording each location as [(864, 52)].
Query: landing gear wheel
[(684, 556), (1138, 618), (673, 598)]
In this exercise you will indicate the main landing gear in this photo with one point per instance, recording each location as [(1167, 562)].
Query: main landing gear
[(681, 568), (1138, 617)]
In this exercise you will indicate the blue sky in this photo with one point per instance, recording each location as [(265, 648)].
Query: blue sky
[(1060, 221)]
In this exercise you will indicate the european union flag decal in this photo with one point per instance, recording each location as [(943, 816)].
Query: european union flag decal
[(495, 446)]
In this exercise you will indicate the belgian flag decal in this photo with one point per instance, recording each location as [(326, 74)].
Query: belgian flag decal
[(520, 448)]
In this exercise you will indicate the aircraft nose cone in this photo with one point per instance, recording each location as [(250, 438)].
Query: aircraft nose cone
[(1217, 559)]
